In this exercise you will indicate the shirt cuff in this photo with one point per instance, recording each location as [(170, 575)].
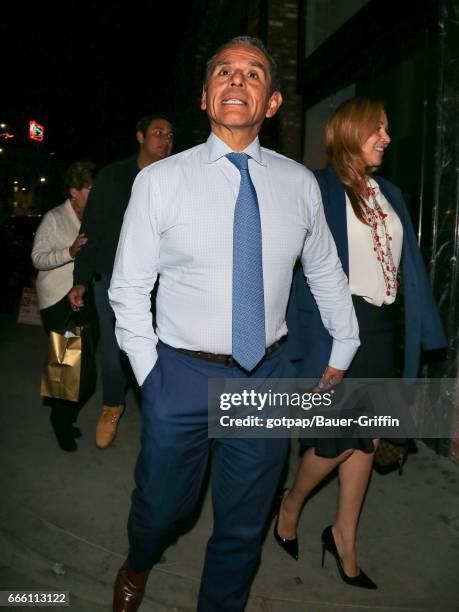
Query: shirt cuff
[(342, 354), (142, 364)]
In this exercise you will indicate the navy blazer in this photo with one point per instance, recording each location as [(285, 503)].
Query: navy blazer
[(309, 341)]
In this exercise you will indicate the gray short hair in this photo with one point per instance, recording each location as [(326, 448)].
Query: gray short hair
[(253, 42)]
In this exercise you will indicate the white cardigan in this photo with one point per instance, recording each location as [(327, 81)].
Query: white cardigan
[(50, 254)]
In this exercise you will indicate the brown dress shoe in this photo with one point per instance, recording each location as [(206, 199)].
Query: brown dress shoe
[(129, 589), (107, 425)]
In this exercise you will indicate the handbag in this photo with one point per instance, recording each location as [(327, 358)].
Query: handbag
[(70, 368), (390, 455)]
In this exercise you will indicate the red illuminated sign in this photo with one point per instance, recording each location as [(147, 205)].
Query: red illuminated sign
[(36, 131)]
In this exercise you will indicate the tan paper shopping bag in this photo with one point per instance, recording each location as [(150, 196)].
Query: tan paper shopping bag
[(70, 370)]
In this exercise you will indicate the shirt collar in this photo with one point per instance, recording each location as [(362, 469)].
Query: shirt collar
[(215, 148)]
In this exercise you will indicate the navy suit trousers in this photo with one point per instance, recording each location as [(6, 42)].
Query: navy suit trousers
[(170, 470)]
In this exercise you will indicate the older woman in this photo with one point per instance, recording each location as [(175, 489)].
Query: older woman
[(56, 243), (375, 240)]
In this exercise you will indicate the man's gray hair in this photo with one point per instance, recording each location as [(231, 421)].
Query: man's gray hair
[(253, 42)]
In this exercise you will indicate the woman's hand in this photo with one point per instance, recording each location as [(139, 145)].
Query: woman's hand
[(80, 241)]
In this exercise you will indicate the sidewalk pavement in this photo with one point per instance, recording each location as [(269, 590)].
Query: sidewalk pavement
[(63, 517)]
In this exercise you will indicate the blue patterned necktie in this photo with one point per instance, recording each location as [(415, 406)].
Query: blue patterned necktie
[(248, 335)]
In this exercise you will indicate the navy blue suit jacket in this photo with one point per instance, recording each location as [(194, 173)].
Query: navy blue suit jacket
[(309, 341)]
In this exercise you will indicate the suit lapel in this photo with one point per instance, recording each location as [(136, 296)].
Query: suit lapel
[(334, 199), (335, 212)]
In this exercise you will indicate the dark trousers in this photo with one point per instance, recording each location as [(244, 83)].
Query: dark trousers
[(114, 364), (171, 466), (58, 316)]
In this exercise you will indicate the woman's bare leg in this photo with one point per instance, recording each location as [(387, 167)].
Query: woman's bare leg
[(354, 475), (311, 471)]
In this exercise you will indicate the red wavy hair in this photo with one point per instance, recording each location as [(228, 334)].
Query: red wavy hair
[(347, 130)]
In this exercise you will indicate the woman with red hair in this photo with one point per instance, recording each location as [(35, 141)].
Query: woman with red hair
[(376, 244)]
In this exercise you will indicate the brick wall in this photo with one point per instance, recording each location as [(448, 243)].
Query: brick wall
[(276, 21)]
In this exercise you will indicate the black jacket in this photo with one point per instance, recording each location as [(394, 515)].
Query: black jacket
[(103, 218)]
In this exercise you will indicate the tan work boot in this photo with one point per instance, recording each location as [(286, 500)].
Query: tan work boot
[(107, 425)]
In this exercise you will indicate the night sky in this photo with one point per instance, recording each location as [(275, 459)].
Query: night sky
[(88, 70)]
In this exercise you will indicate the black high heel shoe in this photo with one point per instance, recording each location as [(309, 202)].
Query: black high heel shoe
[(328, 543), (290, 546)]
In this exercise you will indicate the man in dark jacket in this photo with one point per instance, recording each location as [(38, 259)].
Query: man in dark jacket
[(101, 226)]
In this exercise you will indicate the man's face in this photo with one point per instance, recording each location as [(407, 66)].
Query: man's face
[(237, 94), (157, 142)]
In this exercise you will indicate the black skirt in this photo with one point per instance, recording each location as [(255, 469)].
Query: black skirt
[(375, 358)]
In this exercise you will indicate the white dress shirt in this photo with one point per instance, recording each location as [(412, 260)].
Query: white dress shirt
[(365, 274), (179, 224), (50, 254)]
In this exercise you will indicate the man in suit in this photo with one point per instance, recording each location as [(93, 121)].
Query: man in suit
[(222, 224)]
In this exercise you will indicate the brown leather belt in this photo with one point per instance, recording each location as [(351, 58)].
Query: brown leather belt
[(226, 360)]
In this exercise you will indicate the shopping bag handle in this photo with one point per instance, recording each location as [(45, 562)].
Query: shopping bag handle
[(75, 315)]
